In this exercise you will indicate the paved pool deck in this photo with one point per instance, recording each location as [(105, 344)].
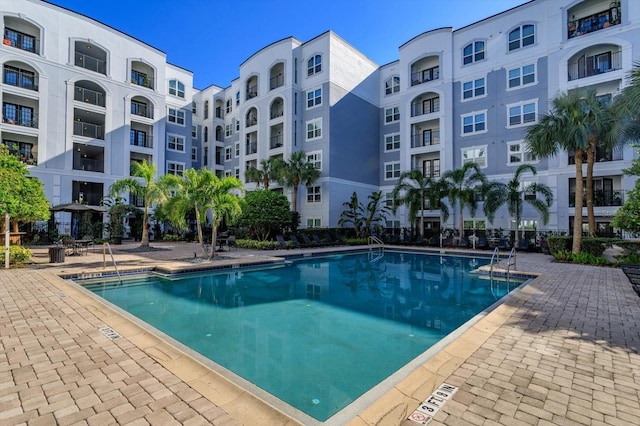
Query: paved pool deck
[(561, 350)]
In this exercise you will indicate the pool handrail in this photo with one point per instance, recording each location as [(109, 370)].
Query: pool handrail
[(104, 261)]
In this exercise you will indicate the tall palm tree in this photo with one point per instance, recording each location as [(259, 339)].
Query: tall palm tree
[(418, 192), (141, 185), (295, 171), (575, 123), (514, 195), (462, 186), (353, 214), (223, 203), (627, 105), (266, 174), (374, 212)]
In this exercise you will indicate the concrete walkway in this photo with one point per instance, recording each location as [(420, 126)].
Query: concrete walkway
[(563, 350)]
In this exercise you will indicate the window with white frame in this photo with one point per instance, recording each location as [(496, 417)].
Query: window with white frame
[(227, 173), (194, 131), (522, 113), (392, 85), (176, 88), (475, 154), (237, 121), (237, 149), (206, 109), (473, 89), (229, 106), (315, 158), (389, 201), (314, 222), (175, 143), (314, 129), (392, 170), (227, 153), (392, 142), (174, 168), (227, 130), (473, 52), (392, 224), (194, 108), (314, 65), (238, 97), (391, 115), (518, 154), (314, 97), (522, 76), (522, 36), (194, 154), (314, 194), (236, 172), (474, 123), (176, 116)]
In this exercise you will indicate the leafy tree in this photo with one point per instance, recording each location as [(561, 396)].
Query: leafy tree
[(297, 170), (575, 123), (267, 173), (462, 187), (21, 196), (141, 185), (514, 195), (353, 214), (265, 213), (418, 192), (627, 217)]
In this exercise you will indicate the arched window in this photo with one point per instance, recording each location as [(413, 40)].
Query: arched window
[(392, 85), (314, 65), (176, 88), (473, 52), (522, 36), (206, 109)]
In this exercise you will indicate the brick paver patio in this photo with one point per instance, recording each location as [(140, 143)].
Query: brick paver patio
[(563, 350)]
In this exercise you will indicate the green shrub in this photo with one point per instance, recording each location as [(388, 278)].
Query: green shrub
[(17, 255), (596, 246), (172, 237), (559, 243), (629, 258), (257, 245), (629, 247), (357, 241), (562, 255), (581, 258)]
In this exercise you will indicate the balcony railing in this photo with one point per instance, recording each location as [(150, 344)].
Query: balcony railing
[(587, 66), (24, 118), (88, 130), (277, 112), (20, 78), (276, 81), (141, 139), (141, 110), (420, 109), (422, 140), (88, 164), (252, 91), (600, 198), (89, 96), (22, 150), (425, 76), (251, 148), (596, 22), (276, 142), (20, 40), (141, 79), (91, 63), (251, 121), (601, 156)]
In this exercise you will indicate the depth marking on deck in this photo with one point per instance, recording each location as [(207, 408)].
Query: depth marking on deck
[(430, 406), (109, 332)]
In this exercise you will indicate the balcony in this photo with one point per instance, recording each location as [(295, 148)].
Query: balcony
[(425, 106), (19, 115), (276, 81), (88, 130), (251, 147), (605, 18), (21, 40), (602, 155), (601, 198), (252, 91), (89, 96), (25, 151), (20, 78), (426, 138), (88, 158), (140, 138), (87, 192), (600, 63), (276, 142), (141, 79), (91, 63), (425, 76), (141, 109)]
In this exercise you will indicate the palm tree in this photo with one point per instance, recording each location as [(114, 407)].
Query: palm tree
[(267, 173), (141, 185), (513, 195), (461, 187), (297, 170), (418, 191), (375, 212), (575, 123), (627, 106), (353, 214)]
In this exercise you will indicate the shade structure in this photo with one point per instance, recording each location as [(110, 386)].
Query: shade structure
[(77, 207)]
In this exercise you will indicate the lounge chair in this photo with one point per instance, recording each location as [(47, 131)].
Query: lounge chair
[(482, 242), (463, 242), (419, 240), (434, 241), (282, 242), (523, 245), (296, 242), (447, 242), (318, 241), (503, 244), (307, 241)]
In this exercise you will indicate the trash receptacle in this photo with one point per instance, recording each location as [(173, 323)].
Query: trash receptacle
[(56, 254)]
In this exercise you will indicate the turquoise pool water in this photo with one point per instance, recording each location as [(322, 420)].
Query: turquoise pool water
[(315, 333)]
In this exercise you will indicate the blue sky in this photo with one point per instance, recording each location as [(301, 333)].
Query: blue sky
[(213, 37)]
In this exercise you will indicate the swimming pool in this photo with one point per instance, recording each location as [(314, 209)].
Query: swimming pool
[(316, 333)]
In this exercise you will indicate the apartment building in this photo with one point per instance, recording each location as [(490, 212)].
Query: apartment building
[(73, 88)]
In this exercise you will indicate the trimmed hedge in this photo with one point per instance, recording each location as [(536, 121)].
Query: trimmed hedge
[(630, 247), (17, 255), (558, 244), (595, 246), (257, 245)]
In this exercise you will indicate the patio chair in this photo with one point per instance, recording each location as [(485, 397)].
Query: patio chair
[(307, 241), (231, 242), (282, 242), (503, 244), (318, 241), (463, 242), (482, 242), (523, 245), (295, 241)]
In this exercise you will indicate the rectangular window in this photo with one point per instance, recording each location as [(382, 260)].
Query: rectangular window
[(391, 115), (227, 153), (205, 156), (522, 113), (314, 222), (315, 158), (473, 123), (392, 142), (237, 121), (194, 132), (474, 88), (314, 97), (175, 143), (194, 154), (229, 106), (227, 130), (175, 168), (476, 154), (391, 170), (314, 129), (194, 108), (522, 76), (237, 149), (236, 172), (389, 200), (227, 173), (314, 194), (176, 116), (518, 154)]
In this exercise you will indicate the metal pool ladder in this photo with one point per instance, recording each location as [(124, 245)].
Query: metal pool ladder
[(104, 262), (495, 258), (375, 243), (511, 261)]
